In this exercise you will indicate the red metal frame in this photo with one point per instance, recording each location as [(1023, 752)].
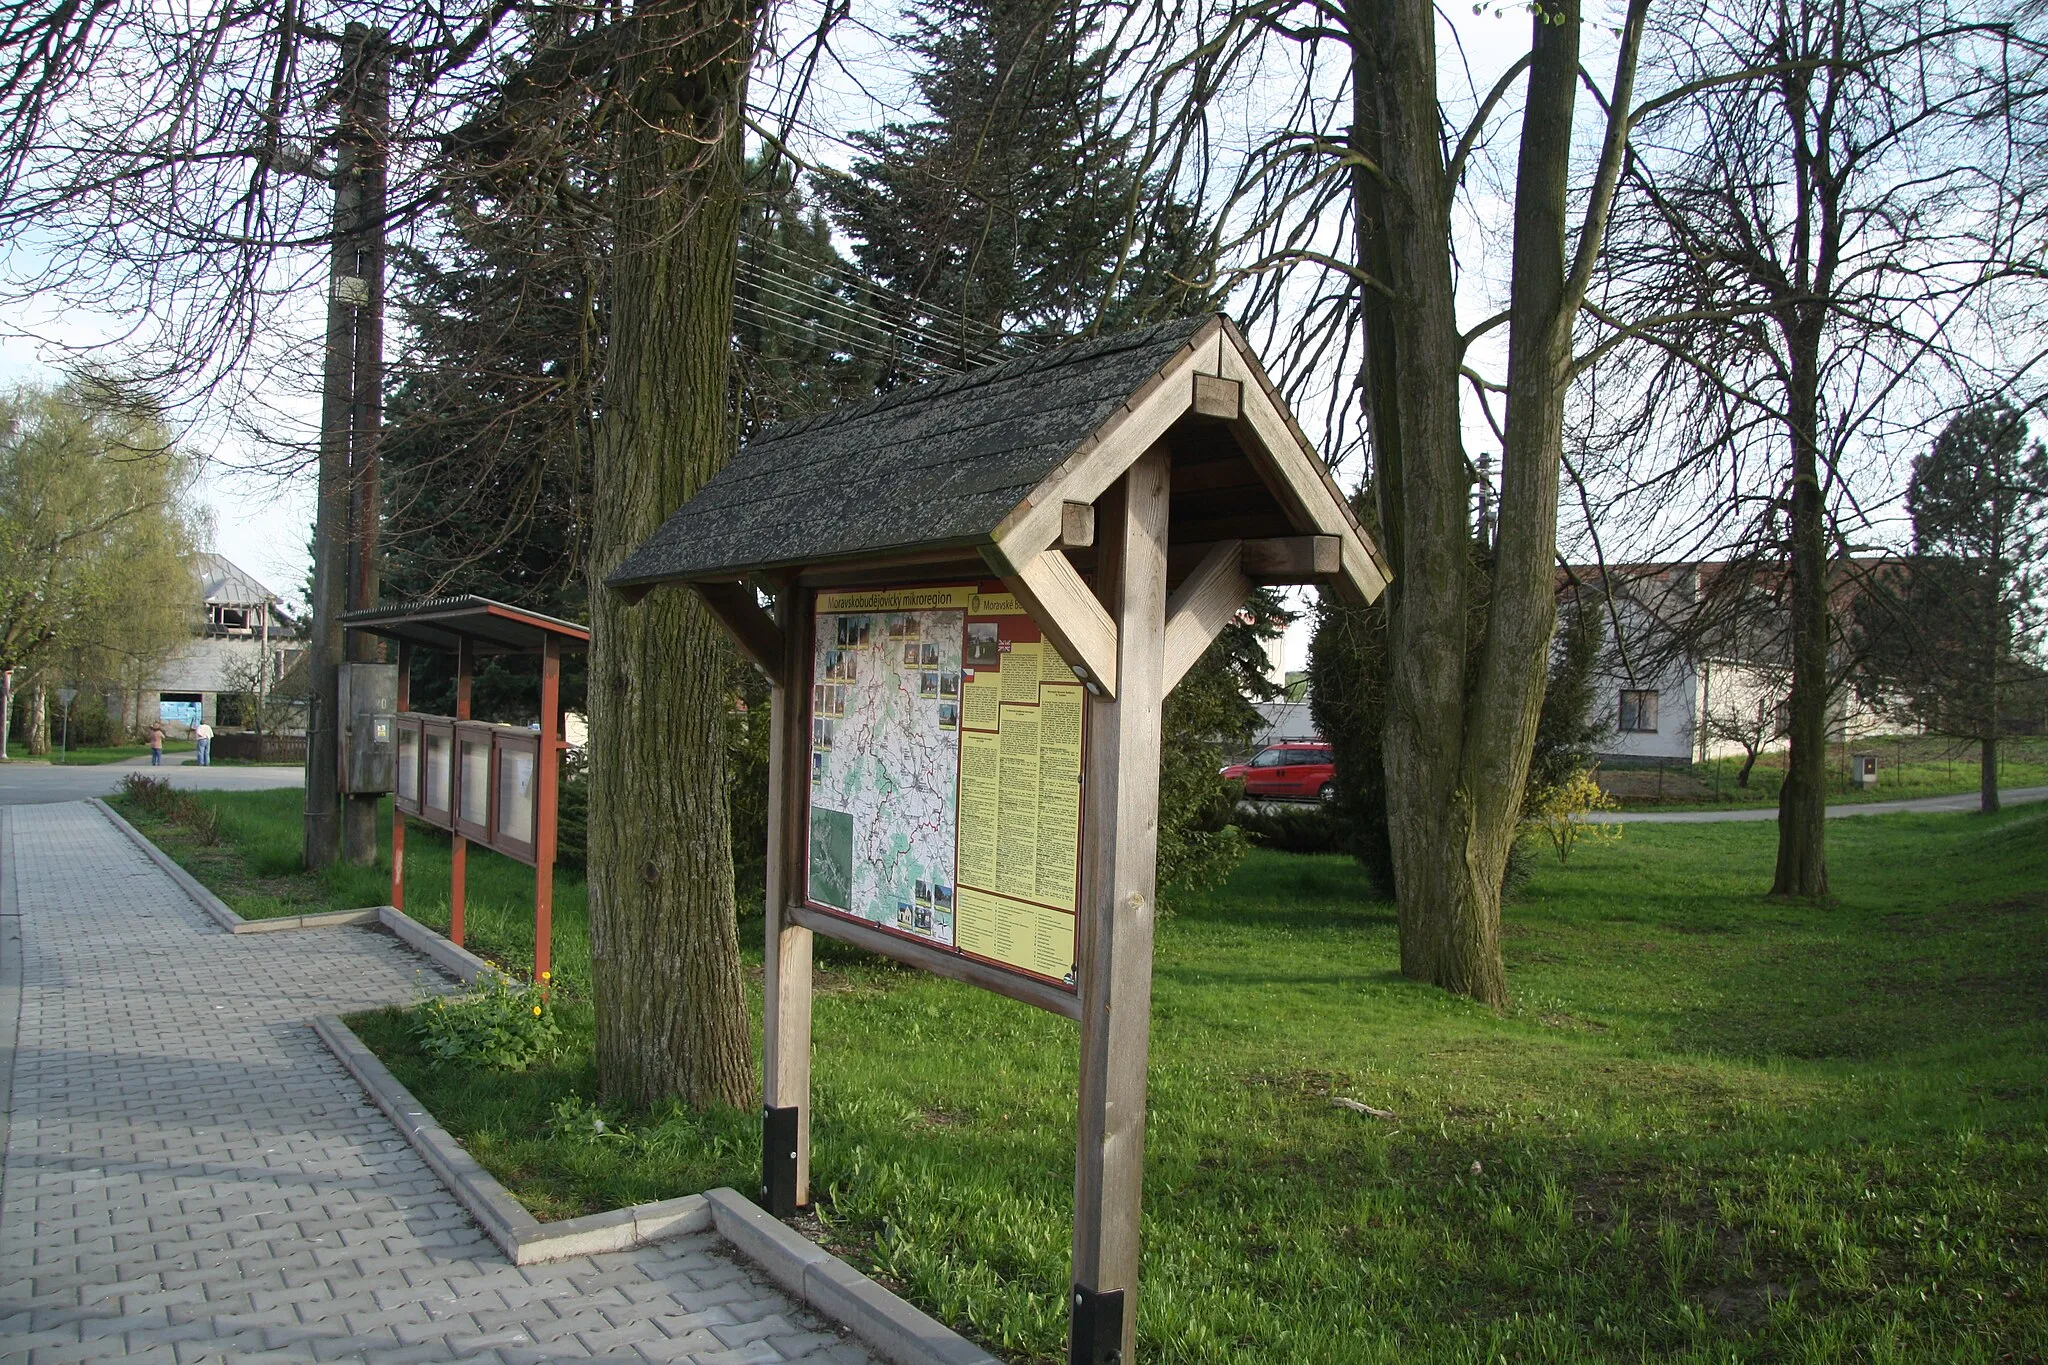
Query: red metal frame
[(434, 625)]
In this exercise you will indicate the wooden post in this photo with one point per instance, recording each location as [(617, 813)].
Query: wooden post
[(458, 848), (1120, 864), (786, 1016), (404, 703), (550, 768)]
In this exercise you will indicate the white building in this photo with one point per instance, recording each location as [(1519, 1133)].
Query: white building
[(245, 645), (1666, 689)]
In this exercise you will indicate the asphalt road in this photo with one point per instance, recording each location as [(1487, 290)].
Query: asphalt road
[(2011, 796), (29, 784)]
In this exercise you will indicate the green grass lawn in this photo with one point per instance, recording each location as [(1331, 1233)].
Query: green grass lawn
[(1908, 766), (256, 869), (1711, 1127)]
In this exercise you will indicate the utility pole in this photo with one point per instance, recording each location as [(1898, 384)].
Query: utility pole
[(351, 413)]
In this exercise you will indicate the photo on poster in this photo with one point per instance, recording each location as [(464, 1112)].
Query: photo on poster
[(831, 881), (949, 684), (902, 914), (981, 644), (929, 658), (942, 897), (921, 919), (928, 684), (924, 892), (949, 716), (910, 654)]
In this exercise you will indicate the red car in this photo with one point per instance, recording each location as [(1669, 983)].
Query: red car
[(1299, 770)]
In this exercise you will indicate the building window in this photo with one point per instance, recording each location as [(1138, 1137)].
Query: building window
[(235, 619), (1638, 711)]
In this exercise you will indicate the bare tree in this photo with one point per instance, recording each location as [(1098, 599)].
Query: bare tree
[(1342, 218), (171, 164), (1806, 272)]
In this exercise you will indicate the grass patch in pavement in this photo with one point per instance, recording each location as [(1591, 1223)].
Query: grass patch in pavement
[(1712, 1126), (256, 867)]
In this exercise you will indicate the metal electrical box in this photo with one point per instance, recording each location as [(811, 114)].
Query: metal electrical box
[(369, 702)]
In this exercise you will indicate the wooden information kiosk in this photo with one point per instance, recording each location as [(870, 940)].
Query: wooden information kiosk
[(495, 785), (983, 588)]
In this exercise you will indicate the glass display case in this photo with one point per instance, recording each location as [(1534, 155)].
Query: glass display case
[(405, 794), (473, 780), (515, 815), (437, 771)]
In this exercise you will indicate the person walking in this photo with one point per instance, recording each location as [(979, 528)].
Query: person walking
[(156, 746), (204, 734)]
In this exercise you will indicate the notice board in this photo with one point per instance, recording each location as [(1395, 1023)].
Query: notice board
[(945, 774)]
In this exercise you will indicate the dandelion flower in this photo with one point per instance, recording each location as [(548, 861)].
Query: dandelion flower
[(536, 1011), (546, 975)]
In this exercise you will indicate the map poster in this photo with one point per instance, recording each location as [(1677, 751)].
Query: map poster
[(945, 761)]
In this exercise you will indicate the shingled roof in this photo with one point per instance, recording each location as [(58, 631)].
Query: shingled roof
[(937, 464)]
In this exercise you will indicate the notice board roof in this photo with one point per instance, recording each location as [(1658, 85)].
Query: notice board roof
[(983, 460), (491, 627)]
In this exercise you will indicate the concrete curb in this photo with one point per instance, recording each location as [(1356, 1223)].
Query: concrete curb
[(458, 962), (10, 983), (884, 1323), (523, 1238), (213, 905), (833, 1289)]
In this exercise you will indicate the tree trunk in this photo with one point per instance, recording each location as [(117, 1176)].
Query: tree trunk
[(36, 723), (1748, 764), (1458, 741), (1987, 774), (1802, 801), (1423, 484), (664, 944)]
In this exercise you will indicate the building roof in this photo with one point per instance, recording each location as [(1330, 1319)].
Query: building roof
[(934, 465), (225, 583), (1001, 470), (491, 627)]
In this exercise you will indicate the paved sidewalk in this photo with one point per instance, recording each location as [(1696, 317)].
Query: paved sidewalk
[(2009, 796), (190, 1175)]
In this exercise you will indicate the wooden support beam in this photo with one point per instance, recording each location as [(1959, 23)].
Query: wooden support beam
[(736, 606), (786, 1013), (1077, 526), (458, 847), (547, 780), (401, 704), (1301, 481), (1120, 872), (1216, 396), (1101, 460), (1200, 607), (1271, 561), (939, 961), (1057, 597)]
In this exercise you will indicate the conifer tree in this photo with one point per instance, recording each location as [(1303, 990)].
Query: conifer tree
[(1012, 207)]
